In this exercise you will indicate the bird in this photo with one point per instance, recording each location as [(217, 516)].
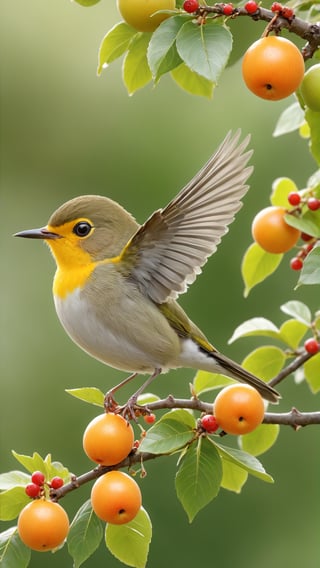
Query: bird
[(117, 282)]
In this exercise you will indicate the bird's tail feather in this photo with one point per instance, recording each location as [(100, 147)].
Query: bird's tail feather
[(235, 371)]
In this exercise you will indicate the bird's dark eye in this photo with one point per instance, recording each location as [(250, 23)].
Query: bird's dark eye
[(82, 229)]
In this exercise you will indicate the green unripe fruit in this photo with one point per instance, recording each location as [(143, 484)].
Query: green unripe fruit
[(310, 88)]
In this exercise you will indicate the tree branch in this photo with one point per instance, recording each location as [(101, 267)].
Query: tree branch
[(293, 366), (305, 30), (294, 418)]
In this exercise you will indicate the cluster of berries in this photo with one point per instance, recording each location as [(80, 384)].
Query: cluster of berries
[(313, 203), (295, 199), (36, 487), (192, 6), (283, 11)]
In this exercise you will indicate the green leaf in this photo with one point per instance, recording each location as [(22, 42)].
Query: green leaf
[(310, 273), (311, 373), (85, 534), (13, 478), (265, 362), (260, 440), (199, 476), (192, 82), (233, 476), (180, 415), (313, 119), (147, 398), (58, 469), (130, 542), (136, 71), (88, 394), (245, 461), (47, 466), (257, 265), (281, 188), (292, 332), (162, 52), (290, 119), (173, 431), (205, 381), (298, 310), (31, 463), (114, 44), (205, 49), (309, 223), (13, 553), (12, 502), (255, 326)]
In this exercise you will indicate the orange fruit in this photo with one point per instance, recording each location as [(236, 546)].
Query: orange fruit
[(108, 439), (238, 409), (272, 233), (43, 525), (273, 68), (116, 498)]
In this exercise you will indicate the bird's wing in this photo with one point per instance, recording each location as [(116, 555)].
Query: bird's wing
[(167, 252)]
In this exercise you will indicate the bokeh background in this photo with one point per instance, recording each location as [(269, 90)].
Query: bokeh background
[(65, 132)]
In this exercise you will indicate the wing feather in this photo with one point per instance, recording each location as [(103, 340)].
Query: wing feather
[(169, 249)]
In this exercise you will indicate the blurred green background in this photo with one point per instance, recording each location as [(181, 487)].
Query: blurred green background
[(65, 132)]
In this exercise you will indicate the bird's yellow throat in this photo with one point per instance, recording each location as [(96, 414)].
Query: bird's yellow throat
[(74, 264)]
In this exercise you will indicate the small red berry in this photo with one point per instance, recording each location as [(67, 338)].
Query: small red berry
[(209, 423), (313, 203), (251, 7), (296, 263), (306, 237), (294, 198), (287, 13), (190, 6), (227, 9), (149, 418), (56, 482), (312, 346), (32, 490), (276, 7), (38, 478)]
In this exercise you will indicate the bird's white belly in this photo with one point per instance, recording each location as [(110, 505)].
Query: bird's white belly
[(103, 339)]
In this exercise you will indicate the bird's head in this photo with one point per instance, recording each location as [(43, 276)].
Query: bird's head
[(85, 229)]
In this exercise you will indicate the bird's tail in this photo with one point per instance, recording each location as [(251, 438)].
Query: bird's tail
[(235, 371)]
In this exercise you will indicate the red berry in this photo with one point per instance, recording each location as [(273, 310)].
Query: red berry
[(56, 482), (313, 203), (287, 13), (251, 7), (294, 198), (296, 263), (276, 7), (191, 6), (38, 478), (149, 418), (209, 423), (312, 346), (32, 490), (306, 237), (227, 9)]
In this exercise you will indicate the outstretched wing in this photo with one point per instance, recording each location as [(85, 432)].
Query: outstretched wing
[(169, 249)]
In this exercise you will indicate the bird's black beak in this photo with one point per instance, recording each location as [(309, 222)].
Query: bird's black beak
[(42, 233)]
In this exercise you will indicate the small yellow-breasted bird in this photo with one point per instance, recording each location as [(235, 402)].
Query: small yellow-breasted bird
[(116, 282)]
